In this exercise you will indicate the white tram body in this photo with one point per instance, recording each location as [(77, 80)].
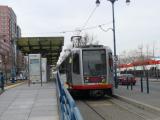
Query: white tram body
[(90, 68)]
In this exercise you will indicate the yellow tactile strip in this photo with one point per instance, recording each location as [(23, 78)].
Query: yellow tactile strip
[(12, 86)]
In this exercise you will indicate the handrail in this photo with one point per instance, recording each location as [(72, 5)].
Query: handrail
[(67, 106)]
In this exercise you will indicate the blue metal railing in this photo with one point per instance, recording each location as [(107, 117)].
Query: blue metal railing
[(67, 106)]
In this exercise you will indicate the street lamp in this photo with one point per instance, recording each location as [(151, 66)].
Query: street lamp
[(114, 38)]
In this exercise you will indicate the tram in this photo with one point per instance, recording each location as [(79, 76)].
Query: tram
[(90, 69)]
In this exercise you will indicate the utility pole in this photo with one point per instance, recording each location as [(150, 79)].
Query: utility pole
[(114, 39)]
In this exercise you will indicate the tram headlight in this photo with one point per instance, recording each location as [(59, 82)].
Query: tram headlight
[(103, 80), (86, 79)]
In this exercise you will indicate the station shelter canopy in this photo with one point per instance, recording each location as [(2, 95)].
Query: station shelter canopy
[(48, 47)]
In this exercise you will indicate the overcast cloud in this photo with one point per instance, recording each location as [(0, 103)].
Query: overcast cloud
[(136, 24)]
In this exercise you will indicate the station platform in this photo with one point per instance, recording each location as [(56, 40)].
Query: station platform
[(34, 102), (152, 98)]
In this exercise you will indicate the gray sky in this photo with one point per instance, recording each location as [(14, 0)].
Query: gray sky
[(136, 24)]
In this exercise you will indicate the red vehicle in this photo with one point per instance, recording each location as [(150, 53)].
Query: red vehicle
[(126, 79)]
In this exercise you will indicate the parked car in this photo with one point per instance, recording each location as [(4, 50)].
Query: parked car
[(125, 79)]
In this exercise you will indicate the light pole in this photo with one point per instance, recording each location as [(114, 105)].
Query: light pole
[(114, 39)]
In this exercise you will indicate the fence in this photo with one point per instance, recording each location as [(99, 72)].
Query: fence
[(67, 107)]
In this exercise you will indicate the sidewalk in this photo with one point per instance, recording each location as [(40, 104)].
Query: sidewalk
[(10, 84), (29, 103), (154, 80), (152, 99), (150, 79)]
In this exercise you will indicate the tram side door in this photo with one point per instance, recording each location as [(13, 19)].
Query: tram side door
[(77, 79), (69, 69), (110, 71)]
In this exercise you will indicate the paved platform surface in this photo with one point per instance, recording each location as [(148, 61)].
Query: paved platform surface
[(29, 103), (153, 98)]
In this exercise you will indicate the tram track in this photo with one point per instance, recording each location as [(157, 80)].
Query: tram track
[(101, 116), (129, 110), (113, 109)]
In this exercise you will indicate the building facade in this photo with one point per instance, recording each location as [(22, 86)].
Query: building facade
[(9, 32)]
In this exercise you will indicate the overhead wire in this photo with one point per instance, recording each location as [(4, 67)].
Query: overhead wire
[(89, 17), (90, 27), (104, 29), (83, 27), (97, 26), (80, 30)]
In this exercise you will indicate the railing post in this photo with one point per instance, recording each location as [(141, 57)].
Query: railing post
[(131, 85), (147, 82), (127, 82), (141, 83)]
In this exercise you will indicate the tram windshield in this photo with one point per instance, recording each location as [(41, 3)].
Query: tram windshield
[(94, 62)]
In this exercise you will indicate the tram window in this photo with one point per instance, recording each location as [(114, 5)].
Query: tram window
[(93, 66), (76, 63)]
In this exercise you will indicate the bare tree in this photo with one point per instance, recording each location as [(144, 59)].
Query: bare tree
[(138, 54), (123, 58), (90, 39)]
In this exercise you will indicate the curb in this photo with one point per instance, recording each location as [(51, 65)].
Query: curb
[(12, 86), (138, 104)]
